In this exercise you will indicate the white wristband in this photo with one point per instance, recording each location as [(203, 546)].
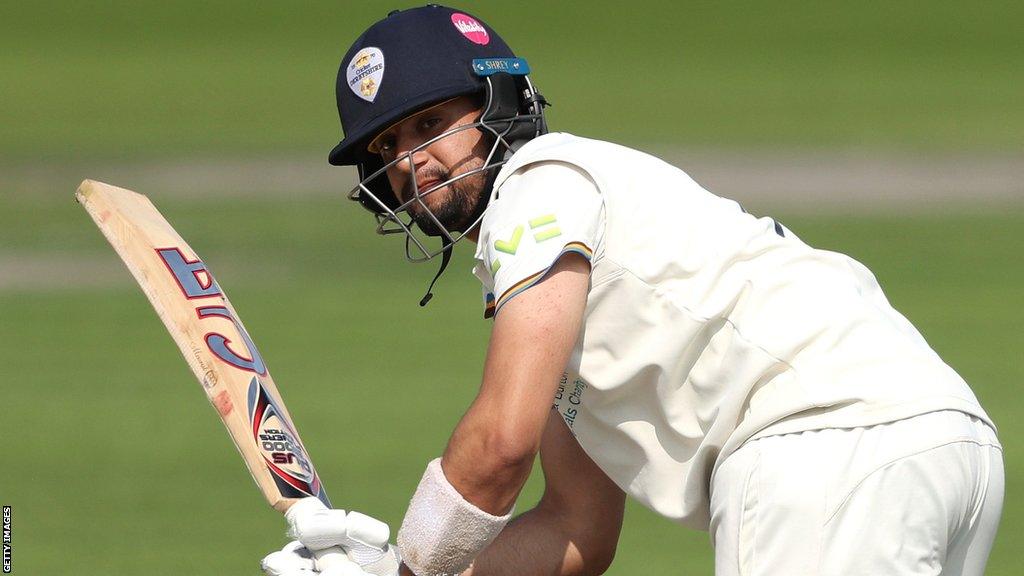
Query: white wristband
[(442, 533)]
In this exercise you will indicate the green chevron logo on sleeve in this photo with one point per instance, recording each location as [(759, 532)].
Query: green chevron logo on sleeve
[(542, 220), (549, 231), (510, 246)]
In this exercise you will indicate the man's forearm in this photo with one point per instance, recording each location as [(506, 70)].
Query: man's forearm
[(534, 543), (493, 448)]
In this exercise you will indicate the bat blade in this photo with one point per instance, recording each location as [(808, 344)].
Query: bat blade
[(212, 339)]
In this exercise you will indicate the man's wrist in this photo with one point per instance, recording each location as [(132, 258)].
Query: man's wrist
[(442, 532)]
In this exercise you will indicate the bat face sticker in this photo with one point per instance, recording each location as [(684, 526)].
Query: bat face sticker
[(285, 456)]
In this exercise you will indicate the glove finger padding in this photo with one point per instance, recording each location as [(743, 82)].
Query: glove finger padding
[(297, 560), (385, 563), (366, 530), (315, 525), (364, 539), (334, 562), (319, 527), (292, 560)]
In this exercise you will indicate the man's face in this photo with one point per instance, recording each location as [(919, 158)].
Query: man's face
[(453, 205)]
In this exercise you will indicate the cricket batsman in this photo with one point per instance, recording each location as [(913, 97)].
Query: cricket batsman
[(649, 339)]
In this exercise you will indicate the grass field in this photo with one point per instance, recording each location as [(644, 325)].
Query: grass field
[(144, 78), (116, 464)]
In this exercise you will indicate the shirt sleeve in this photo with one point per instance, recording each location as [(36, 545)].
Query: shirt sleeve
[(542, 211)]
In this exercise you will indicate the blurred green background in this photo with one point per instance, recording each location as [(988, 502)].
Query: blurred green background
[(116, 465), (147, 78)]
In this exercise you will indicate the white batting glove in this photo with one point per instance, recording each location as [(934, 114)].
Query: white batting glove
[(333, 543), (296, 560), (292, 560)]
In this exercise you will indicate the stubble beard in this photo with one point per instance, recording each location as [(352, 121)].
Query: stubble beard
[(459, 204)]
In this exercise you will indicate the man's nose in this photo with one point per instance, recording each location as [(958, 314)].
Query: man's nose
[(409, 163)]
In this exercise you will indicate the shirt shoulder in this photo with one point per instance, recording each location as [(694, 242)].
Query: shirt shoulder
[(538, 213)]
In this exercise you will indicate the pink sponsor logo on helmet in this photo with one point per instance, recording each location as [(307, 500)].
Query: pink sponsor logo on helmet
[(470, 28)]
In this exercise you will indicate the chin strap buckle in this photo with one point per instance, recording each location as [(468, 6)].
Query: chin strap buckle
[(446, 257)]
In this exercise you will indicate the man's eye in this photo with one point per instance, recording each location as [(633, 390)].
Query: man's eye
[(429, 123)]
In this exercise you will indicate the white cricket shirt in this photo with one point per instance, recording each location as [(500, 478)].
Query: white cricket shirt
[(703, 326)]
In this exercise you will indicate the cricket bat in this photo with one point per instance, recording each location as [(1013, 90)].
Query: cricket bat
[(212, 339)]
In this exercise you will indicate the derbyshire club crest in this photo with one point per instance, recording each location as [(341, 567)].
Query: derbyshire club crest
[(365, 72)]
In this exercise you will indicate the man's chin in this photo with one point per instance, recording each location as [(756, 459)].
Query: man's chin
[(428, 226), (449, 217)]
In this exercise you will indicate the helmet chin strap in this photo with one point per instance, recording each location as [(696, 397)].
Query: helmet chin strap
[(446, 257)]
